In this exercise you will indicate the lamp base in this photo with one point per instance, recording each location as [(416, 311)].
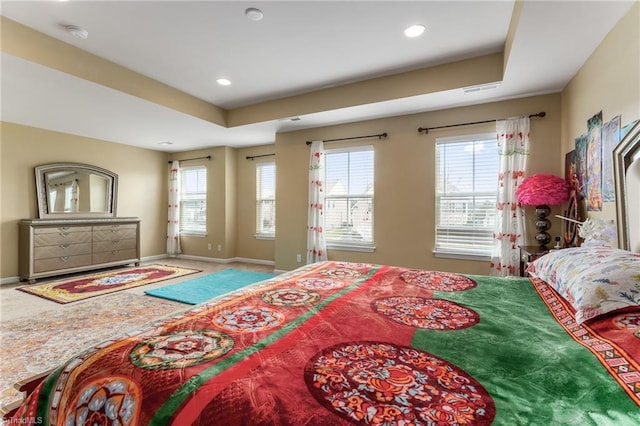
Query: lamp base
[(542, 226)]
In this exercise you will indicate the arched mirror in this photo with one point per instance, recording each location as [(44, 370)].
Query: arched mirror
[(74, 191), (626, 164)]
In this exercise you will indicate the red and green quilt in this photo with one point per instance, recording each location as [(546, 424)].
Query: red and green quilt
[(345, 343)]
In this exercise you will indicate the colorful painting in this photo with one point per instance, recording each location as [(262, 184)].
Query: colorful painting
[(610, 138), (581, 165), (571, 169), (594, 163)]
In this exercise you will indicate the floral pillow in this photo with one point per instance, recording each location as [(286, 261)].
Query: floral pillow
[(594, 280)]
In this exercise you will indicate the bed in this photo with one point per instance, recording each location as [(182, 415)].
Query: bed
[(338, 343)]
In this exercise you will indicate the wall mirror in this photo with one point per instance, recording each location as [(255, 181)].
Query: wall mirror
[(75, 191), (626, 166)]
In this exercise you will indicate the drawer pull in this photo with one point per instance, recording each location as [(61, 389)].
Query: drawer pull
[(115, 251), (64, 228), (115, 241), (63, 234), (64, 258), (64, 246)]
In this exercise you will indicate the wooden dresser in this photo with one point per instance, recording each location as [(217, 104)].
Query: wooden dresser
[(60, 246)]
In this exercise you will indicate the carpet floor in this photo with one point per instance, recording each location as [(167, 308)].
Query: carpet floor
[(28, 347)]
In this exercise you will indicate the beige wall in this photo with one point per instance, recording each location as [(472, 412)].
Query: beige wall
[(405, 180), (609, 82), (142, 183), (247, 246), (220, 203)]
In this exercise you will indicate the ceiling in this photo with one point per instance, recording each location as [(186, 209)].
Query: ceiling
[(299, 47)]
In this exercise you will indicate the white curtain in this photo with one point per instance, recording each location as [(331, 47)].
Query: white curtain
[(173, 222), (316, 245), (75, 196), (513, 149)]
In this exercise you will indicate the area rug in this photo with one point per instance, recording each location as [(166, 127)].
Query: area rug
[(96, 284), (209, 286), (34, 345)]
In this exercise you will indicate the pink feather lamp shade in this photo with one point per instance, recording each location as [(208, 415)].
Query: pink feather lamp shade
[(542, 190)]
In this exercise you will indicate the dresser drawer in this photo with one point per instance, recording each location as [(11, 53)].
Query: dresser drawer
[(63, 262), (61, 229), (114, 256), (61, 238), (101, 246), (114, 233), (61, 250)]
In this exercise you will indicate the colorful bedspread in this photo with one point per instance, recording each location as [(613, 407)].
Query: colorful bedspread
[(344, 343)]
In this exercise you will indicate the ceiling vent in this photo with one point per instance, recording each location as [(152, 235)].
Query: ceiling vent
[(482, 87)]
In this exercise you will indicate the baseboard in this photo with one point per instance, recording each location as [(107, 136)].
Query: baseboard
[(9, 280), (228, 260)]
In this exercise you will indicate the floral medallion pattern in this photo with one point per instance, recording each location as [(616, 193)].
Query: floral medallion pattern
[(320, 283), (630, 321), (421, 312), (290, 297), (438, 281), (341, 273), (105, 401), (248, 318), (181, 349), (381, 383)]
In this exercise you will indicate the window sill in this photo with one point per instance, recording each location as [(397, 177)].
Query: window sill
[(264, 237), (462, 255), (192, 234), (351, 247)]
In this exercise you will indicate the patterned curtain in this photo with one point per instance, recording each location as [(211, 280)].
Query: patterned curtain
[(316, 245), (75, 198), (513, 149), (173, 222)]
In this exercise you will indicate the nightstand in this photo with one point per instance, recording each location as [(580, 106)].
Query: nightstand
[(529, 254)]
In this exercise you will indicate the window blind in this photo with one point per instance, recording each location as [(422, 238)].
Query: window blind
[(466, 190), (193, 200), (265, 199), (349, 191)]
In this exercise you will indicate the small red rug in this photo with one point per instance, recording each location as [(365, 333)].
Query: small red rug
[(96, 284)]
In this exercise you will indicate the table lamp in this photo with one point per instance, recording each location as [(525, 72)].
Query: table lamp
[(543, 190)]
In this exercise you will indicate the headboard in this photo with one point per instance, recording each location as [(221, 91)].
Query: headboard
[(626, 164)]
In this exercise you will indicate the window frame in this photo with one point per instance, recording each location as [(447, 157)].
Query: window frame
[(193, 231), (365, 246), (259, 232), (483, 252)]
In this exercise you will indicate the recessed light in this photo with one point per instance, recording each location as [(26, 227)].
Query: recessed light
[(223, 81), (254, 14), (77, 32), (414, 30), (165, 143)]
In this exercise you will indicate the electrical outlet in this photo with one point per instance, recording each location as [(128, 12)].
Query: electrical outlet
[(219, 247), (209, 246), (299, 258)]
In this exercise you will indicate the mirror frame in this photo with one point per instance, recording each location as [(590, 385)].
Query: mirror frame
[(42, 188), (627, 150)]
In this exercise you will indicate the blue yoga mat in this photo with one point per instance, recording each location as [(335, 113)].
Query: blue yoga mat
[(200, 289)]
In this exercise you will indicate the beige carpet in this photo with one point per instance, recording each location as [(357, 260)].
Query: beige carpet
[(28, 346)]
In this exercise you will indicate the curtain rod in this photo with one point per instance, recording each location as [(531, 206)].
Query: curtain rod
[(251, 157), (208, 157), (379, 136), (426, 129)]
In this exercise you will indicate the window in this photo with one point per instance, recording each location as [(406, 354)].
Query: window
[(193, 200), (466, 191), (349, 197), (265, 199)]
